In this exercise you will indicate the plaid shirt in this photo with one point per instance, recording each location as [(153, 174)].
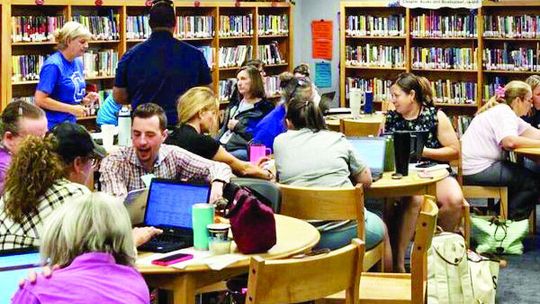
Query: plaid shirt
[(19, 235), (121, 170)]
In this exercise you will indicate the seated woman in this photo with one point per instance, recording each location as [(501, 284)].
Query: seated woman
[(498, 127), (311, 156), (414, 111), (242, 117), (533, 117), (273, 124), (302, 71), (95, 252), (197, 114)]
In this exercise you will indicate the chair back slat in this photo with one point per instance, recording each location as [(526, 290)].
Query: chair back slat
[(351, 127)]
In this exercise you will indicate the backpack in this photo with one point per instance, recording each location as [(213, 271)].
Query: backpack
[(252, 221)]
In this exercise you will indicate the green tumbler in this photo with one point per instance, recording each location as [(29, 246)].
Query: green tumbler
[(389, 155), (202, 215)]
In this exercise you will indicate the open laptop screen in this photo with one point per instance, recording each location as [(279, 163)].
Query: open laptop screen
[(169, 203), (13, 268), (371, 150)]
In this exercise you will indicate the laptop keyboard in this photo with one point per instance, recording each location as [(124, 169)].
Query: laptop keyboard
[(164, 243)]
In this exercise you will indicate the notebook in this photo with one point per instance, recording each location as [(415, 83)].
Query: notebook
[(135, 203), (14, 266), (168, 207), (372, 150)]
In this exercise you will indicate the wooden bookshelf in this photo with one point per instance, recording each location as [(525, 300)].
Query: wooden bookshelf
[(480, 75), (10, 88)]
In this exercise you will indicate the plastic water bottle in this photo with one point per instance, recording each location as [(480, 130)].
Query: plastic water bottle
[(124, 127)]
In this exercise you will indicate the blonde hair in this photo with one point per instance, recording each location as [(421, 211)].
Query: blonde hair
[(194, 101), (71, 30), (533, 81), (94, 222), (512, 90)]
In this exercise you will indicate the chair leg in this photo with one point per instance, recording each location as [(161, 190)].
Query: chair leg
[(532, 222), (503, 212), (466, 222)]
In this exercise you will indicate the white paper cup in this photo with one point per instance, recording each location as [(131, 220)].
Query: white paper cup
[(107, 136)]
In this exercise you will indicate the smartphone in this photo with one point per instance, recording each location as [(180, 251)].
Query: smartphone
[(427, 164), (172, 259)]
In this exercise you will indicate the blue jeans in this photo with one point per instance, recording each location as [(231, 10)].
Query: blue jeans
[(241, 154)]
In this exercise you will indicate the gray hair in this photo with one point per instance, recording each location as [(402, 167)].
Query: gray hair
[(93, 222)]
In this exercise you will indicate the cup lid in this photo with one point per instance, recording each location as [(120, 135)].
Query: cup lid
[(218, 227)]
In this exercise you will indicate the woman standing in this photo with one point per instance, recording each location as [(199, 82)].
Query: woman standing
[(61, 90), (414, 111), (242, 117), (498, 127)]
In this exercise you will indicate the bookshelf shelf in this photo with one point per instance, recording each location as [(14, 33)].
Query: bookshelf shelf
[(276, 65), (445, 70), (359, 67), (511, 72), (92, 117), (511, 39), (445, 38), (124, 11), (456, 105), (377, 37)]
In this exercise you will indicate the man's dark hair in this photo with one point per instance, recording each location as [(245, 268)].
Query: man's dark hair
[(148, 110), (15, 110), (162, 15)]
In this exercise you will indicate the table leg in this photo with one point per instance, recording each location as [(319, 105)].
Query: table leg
[(184, 290)]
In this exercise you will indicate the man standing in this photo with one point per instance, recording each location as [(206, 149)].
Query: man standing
[(19, 119), (121, 171), (162, 68)]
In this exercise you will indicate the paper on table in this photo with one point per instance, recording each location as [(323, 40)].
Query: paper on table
[(214, 262)]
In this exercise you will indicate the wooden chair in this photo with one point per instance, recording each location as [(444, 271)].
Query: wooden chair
[(331, 204), (402, 287), (351, 127), (300, 280)]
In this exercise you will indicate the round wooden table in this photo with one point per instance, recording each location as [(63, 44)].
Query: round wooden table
[(409, 185), (528, 151), (293, 236), (332, 121)]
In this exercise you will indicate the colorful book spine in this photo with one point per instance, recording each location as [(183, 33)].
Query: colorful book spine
[(489, 88), (236, 26), (35, 28), (100, 64), (512, 59), (273, 25), (137, 27), (366, 25), (382, 56), (226, 87), (188, 27), (379, 87), (271, 86), (269, 54), (208, 53), (234, 56), (454, 92), (101, 27), (460, 123), (524, 26), (436, 26), (443, 58), (26, 67), (29, 99)]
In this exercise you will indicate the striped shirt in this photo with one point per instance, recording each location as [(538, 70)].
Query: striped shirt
[(15, 235), (121, 170)]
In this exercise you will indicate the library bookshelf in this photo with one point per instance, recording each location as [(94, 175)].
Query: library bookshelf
[(127, 23), (464, 53)]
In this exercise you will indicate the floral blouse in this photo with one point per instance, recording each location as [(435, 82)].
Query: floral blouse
[(426, 121)]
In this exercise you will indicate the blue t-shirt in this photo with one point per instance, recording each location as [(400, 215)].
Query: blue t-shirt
[(270, 127), (108, 112), (63, 81), (161, 69)]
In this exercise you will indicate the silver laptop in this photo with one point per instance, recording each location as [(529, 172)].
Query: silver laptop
[(372, 150)]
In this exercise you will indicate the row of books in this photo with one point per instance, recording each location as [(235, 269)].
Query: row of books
[(269, 54), (375, 56), (273, 24), (26, 67), (363, 25), (225, 88), (137, 27), (271, 86), (434, 25), (489, 88), (461, 123), (444, 58), (519, 59), (450, 92), (234, 26), (525, 26), (234, 56), (101, 27), (194, 27), (100, 63), (208, 53), (379, 87), (35, 28)]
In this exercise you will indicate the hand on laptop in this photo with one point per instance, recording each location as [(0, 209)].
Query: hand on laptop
[(46, 271), (142, 235)]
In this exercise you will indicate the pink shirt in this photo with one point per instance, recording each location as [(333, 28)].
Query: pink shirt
[(482, 142), (92, 278)]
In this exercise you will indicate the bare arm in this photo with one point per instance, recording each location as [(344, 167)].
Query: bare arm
[(120, 95), (532, 133), (448, 139), (44, 101), (514, 142), (240, 167)]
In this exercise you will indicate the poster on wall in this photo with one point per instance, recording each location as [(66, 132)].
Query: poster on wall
[(321, 33), (436, 4), (323, 75)]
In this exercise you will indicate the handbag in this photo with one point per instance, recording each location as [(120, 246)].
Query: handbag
[(485, 274), (252, 222), (499, 236)]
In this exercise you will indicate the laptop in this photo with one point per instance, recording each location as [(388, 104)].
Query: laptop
[(372, 150), (14, 266), (168, 207)]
